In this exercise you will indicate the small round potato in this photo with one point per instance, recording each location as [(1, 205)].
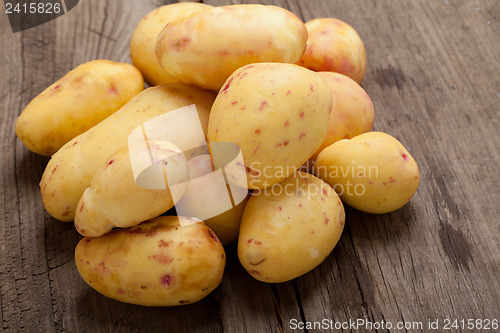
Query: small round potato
[(163, 262), (205, 47), (76, 102), (290, 228), (352, 110), (372, 172), (143, 42), (334, 46), (277, 114)]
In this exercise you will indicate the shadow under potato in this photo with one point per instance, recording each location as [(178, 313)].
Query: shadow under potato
[(378, 228), (103, 314)]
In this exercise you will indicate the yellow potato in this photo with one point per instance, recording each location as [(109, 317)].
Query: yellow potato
[(334, 46), (289, 229), (205, 47), (371, 172), (143, 42), (277, 114), (75, 103), (163, 262), (114, 198), (352, 110), (70, 170), (208, 197), (227, 225)]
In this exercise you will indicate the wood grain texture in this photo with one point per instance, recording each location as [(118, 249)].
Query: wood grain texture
[(433, 75)]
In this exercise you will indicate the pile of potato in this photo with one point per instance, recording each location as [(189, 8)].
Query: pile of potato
[(285, 94)]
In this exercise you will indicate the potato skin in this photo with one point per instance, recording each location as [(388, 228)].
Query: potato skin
[(76, 102), (167, 261), (205, 196), (372, 172), (289, 229), (334, 46), (205, 47), (143, 41), (70, 171), (352, 110), (277, 114), (114, 199)]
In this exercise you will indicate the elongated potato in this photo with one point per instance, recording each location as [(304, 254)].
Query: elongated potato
[(114, 199), (143, 42), (204, 48), (163, 262), (277, 114), (75, 103), (371, 172), (70, 170), (290, 228)]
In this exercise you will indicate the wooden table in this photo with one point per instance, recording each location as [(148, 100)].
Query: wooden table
[(434, 77)]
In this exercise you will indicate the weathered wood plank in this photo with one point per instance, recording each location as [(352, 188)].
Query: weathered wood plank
[(24, 279)]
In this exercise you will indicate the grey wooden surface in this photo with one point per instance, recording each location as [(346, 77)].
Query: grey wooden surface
[(434, 78)]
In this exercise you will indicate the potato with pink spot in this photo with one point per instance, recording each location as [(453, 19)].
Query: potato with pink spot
[(290, 228), (76, 102), (70, 171), (205, 47), (119, 198), (277, 114), (143, 41), (334, 46), (166, 261), (352, 110), (372, 172)]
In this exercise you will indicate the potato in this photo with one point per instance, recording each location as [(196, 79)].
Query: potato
[(143, 41), (70, 170), (205, 47), (334, 46), (371, 172), (209, 198), (115, 199), (277, 114), (352, 110), (163, 262), (75, 103), (289, 229)]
